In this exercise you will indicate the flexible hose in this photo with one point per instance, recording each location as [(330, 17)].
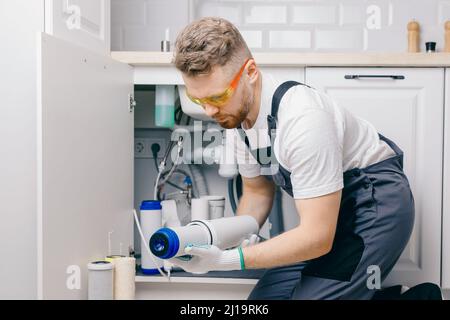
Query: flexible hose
[(174, 166), (231, 195), (199, 180), (155, 191), (163, 165), (180, 171)]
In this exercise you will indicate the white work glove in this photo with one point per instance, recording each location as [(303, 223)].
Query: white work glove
[(209, 258), (252, 240)]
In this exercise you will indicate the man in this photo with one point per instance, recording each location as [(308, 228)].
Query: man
[(355, 205)]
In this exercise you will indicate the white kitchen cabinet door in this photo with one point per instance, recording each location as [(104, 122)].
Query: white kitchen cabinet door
[(84, 22), (446, 184), (410, 112), (285, 73), (85, 164)]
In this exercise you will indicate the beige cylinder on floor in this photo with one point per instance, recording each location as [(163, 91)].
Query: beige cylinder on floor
[(111, 259), (124, 278), (413, 36)]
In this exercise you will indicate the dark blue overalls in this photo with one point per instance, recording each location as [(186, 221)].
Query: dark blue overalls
[(375, 222)]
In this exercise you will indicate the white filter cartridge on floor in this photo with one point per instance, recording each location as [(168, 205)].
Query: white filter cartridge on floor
[(124, 278), (100, 280)]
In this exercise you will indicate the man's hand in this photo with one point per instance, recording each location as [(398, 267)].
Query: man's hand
[(252, 240), (209, 258)]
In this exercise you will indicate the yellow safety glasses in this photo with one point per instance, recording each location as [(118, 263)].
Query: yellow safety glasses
[(221, 99)]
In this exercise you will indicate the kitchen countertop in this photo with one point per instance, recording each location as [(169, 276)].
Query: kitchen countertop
[(388, 59)]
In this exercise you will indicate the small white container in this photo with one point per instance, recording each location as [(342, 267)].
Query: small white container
[(151, 221), (199, 209), (100, 280), (216, 206)]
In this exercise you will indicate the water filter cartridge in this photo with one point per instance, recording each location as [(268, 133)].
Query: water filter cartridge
[(151, 221), (124, 278), (224, 233), (111, 259), (100, 280)]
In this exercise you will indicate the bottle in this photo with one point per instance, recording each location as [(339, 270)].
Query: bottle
[(413, 36), (224, 233), (165, 106), (447, 37), (151, 221), (165, 44)]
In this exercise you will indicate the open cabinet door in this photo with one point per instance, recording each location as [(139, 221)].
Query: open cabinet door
[(85, 164)]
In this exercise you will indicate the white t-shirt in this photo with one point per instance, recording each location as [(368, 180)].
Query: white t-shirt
[(317, 140)]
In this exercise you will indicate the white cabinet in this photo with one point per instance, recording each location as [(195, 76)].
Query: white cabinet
[(66, 171), (84, 22), (446, 191), (410, 112), (193, 288), (84, 161), (285, 73), (17, 143)]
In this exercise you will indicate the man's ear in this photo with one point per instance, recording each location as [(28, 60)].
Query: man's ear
[(252, 71)]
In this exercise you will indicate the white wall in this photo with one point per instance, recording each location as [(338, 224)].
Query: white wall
[(289, 25), (20, 20), (141, 24)]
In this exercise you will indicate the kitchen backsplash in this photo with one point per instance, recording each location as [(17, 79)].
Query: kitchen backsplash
[(285, 25)]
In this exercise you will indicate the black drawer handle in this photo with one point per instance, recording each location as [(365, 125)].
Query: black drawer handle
[(361, 76)]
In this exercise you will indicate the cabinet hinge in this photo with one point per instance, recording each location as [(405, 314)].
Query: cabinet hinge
[(132, 103)]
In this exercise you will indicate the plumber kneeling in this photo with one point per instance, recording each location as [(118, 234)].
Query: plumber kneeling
[(355, 204)]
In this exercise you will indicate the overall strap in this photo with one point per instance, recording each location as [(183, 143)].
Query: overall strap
[(276, 100)]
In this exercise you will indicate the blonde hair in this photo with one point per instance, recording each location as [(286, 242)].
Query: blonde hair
[(207, 43)]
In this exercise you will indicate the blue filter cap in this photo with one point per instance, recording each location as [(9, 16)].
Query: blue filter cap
[(164, 243), (150, 205)]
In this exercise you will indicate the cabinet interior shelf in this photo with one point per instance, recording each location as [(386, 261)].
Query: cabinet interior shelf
[(247, 277)]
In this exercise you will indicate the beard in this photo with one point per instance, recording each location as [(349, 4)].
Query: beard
[(231, 121)]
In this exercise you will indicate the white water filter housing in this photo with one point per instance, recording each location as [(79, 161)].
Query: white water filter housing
[(224, 233)]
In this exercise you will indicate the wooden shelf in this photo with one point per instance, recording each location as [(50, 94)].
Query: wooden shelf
[(388, 59)]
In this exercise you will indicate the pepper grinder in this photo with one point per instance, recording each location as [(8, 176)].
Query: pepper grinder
[(413, 36), (447, 36)]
